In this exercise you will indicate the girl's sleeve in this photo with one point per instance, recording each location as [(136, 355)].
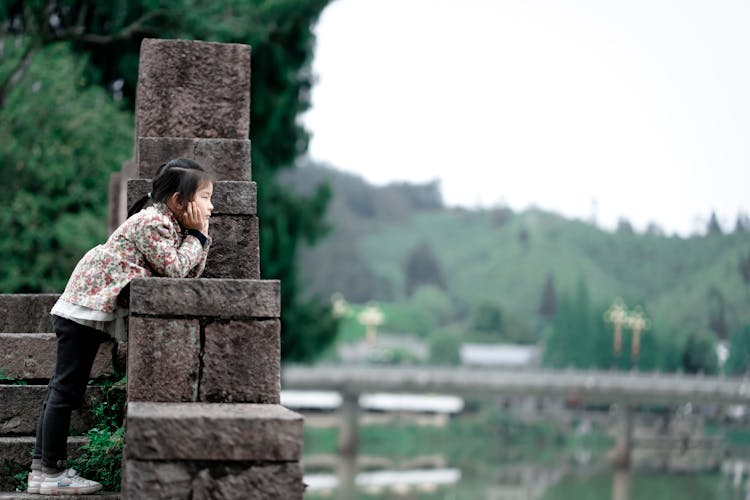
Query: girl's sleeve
[(198, 270), (154, 239)]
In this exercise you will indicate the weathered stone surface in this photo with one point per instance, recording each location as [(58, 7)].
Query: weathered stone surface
[(157, 480), (202, 481), (151, 152), (26, 313), (223, 298), (235, 248), (114, 200), (118, 206), (102, 495), (29, 356), (241, 362), (229, 197), (275, 481), (228, 159), (213, 431), (163, 359), (225, 159), (15, 454), (20, 406), (193, 89)]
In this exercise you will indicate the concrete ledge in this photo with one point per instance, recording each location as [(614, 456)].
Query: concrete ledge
[(229, 198), (213, 431), (147, 479), (222, 298), (20, 406), (26, 313), (29, 356)]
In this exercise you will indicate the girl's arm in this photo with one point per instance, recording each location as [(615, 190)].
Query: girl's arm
[(155, 240), (198, 270)]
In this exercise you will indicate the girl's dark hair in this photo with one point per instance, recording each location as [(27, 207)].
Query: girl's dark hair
[(180, 175)]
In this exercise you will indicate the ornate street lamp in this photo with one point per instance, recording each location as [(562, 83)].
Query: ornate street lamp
[(371, 318), (637, 322), (617, 315)]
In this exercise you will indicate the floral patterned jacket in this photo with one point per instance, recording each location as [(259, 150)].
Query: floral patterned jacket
[(151, 242)]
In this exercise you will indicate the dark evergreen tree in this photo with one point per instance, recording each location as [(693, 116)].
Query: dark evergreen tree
[(742, 225), (717, 315), (713, 226), (548, 304), (738, 362), (421, 267), (624, 226)]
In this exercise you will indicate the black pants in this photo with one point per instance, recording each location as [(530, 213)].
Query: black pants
[(76, 349)]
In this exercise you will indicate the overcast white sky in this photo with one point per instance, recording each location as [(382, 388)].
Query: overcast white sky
[(632, 108)]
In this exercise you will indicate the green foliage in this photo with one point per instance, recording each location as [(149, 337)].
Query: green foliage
[(738, 362), (18, 472), (6, 380), (445, 348), (488, 318), (101, 457), (59, 141)]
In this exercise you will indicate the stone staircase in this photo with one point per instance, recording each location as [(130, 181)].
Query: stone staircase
[(203, 355), (27, 356)]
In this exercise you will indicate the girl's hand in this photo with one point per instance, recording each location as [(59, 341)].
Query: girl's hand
[(193, 218)]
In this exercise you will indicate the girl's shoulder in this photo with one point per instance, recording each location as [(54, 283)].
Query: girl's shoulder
[(158, 213)]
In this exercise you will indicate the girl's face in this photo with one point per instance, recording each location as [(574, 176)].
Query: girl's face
[(203, 198)]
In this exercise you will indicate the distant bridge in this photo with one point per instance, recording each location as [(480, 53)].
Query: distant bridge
[(599, 386), (628, 389)]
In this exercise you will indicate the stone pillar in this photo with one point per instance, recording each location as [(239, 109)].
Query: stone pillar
[(624, 442), (203, 417), (349, 430)]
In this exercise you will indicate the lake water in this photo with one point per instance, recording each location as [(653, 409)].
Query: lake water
[(494, 456)]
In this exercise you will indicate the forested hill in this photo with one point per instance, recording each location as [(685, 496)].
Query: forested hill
[(385, 241)]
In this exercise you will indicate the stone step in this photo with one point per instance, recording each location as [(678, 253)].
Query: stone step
[(26, 313), (16, 452), (213, 431), (197, 297), (171, 446), (20, 406), (31, 356), (28, 496)]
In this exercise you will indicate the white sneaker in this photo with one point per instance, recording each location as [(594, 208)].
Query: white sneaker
[(35, 481), (67, 482)]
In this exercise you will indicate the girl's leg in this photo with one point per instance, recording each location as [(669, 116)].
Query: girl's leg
[(76, 350)]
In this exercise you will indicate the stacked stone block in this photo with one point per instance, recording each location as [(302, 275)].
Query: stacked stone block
[(203, 418)]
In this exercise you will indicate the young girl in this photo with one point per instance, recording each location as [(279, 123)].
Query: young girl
[(169, 238)]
